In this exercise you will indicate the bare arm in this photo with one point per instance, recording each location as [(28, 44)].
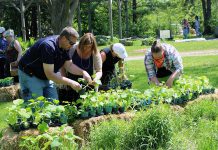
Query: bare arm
[(173, 76), (103, 57), (154, 80), (19, 49), (49, 72), (74, 69)]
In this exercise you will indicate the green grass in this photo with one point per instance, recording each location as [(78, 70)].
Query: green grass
[(3, 114), (137, 49), (193, 66)]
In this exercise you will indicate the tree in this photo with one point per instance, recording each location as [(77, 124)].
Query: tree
[(206, 5), (62, 13)]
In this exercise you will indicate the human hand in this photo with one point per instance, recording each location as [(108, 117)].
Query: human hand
[(14, 64), (87, 77), (169, 83), (75, 85)]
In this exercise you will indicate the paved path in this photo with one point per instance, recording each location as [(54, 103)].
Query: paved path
[(183, 54)]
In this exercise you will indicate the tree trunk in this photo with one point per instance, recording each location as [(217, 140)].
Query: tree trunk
[(39, 27), (23, 29), (33, 28), (62, 12), (120, 18), (134, 16), (79, 19), (206, 5), (110, 19), (126, 17)]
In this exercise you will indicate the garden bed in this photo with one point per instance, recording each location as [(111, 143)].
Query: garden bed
[(9, 93), (11, 139), (82, 127)]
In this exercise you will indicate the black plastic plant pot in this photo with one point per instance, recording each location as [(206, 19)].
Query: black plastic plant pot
[(212, 90), (143, 103), (115, 109), (122, 109), (99, 111), (92, 113), (47, 120), (84, 114), (149, 102), (107, 109), (16, 127), (82, 91)]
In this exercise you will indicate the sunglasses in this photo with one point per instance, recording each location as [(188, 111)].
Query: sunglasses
[(70, 42)]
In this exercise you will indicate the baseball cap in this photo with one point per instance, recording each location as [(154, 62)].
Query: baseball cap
[(9, 32), (120, 50), (2, 29)]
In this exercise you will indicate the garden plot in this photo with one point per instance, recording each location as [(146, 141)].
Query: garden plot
[(8, 90), (100, 107)]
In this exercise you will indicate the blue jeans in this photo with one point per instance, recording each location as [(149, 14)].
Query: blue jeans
[(33, 87)]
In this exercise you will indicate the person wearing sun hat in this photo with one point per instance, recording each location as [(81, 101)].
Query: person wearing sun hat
[(3, 46), (13, 52), (110, 57)]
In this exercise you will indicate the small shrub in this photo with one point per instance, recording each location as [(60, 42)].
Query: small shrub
[(148, 41), (203, 109), (150, 130), (123, 41), (101, 40), (129, 43), (104, 135)]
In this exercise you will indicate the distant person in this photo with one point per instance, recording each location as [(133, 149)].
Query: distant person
[(112, 55), (86, 56), (197, 26), (13, 52), (186, 27), (163, 63), (39, 66), (3, 47)]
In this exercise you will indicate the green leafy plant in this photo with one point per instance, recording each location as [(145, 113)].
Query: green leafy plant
[(61, 138), (6, 81)]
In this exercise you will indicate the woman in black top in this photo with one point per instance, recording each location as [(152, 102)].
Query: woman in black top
[(110, 57), (87, 57)]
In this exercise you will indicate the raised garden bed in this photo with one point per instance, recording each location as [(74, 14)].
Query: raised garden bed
[(9, 93)]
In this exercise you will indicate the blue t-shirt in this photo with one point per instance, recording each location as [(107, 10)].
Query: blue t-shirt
[(45, 50)]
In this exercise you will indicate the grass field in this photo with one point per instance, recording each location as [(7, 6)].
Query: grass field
[(137, 49)]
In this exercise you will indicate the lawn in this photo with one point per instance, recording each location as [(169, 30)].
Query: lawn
[(138, 50)]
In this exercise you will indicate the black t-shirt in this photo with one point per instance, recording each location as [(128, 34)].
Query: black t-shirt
[(109, 63), (45, 50)]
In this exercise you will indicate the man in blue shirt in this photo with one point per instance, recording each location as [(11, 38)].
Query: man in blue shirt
[(3, 47), (39, 66)]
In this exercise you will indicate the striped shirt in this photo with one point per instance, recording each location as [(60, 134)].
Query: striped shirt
[(172, 61)]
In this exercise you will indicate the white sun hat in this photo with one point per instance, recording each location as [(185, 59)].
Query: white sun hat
[(2, 29), (120, 50)]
